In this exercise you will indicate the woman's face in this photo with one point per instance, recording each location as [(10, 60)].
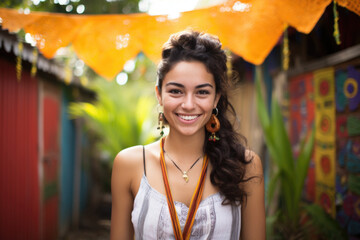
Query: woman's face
[(188, 96)]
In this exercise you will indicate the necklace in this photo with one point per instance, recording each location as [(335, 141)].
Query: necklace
[(195, 200), (184, 173)]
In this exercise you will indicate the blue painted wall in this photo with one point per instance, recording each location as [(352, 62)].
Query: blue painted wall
[(67, 163), (85, 180)]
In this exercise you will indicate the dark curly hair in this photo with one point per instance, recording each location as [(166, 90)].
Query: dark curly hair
[(228, 155)]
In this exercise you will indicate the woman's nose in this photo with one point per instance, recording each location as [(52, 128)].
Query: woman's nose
[(189, 102)]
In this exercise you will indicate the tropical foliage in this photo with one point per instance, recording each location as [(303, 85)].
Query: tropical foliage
[(121, 116)]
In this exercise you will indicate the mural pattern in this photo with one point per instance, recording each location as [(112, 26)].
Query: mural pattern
[(330, 98), (347, 97), (325, 138), (302, 119)]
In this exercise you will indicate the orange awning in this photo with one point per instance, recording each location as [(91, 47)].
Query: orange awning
[(250, 28)]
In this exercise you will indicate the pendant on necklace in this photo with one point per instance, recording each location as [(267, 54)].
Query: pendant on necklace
[(185, 176)]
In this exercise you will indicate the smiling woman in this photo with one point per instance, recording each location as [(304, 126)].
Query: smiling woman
[(188, 104), (200, 181)]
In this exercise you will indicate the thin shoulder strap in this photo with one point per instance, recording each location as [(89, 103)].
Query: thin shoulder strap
[(144, 160)]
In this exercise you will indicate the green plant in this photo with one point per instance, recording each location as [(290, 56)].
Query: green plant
[(354, 183), (321, 224), (120, 117), (290, 173)]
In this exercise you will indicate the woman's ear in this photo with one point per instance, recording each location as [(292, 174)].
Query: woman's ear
[(158, 94), (217, 98)]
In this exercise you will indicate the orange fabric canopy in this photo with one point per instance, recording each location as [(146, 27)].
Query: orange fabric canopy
[(250, 28)]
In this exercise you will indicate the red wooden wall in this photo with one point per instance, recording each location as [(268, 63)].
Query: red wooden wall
[(50, 101), (19, 178)]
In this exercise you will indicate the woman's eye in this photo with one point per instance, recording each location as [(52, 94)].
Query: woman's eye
[(175, 91), (203, 92)]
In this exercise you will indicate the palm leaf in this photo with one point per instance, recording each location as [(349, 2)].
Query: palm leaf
[(282, 139), (117, 116), (302, 165), (265, 120), (354, 183), (273, 184), (326, 226), (278, 144)]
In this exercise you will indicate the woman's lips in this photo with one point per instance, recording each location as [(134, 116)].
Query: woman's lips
[(187, 117)]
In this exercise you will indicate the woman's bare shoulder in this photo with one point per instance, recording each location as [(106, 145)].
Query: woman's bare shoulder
[(133, 156), (254, 167), (129, 156), (127, 167)]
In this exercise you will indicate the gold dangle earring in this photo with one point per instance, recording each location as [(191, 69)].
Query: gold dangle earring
[(213, 125), (161, 122)]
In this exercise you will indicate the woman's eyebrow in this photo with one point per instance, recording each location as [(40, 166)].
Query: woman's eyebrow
[(175, 84), (204, 85), (182, 86)]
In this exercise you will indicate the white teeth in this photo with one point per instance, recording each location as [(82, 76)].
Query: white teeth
[(188, 118)]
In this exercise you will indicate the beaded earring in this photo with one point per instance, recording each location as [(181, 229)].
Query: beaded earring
[(161, 123), (213, 125)]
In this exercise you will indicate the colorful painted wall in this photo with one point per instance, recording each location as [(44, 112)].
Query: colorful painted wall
[(330, 99), (37, 150), (20, 194)]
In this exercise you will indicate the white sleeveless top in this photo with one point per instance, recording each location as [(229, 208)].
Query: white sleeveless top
[(151, 217)]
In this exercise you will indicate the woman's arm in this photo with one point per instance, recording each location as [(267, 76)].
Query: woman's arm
[(122, 198), (253, 211)]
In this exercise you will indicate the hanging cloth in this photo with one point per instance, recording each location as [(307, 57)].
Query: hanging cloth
[(195, 200)]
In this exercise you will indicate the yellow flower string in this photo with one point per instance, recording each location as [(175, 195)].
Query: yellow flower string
[(18, 61), (286, 51), (68, 72), (84, 81), (34, 61), (229, 63), (336, 25)]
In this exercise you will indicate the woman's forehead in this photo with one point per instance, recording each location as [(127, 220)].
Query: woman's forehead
[(189, 74)]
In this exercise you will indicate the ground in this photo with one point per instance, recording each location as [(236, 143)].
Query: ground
[(94, 224)]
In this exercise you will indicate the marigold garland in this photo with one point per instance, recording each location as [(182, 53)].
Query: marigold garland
[(18, 61)]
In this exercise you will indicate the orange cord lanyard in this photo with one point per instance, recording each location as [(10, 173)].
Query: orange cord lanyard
[(195, 200)]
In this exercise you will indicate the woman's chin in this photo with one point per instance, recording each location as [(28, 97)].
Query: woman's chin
[(190, 132)]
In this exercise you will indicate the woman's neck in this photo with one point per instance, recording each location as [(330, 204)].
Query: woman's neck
[(184, 148)]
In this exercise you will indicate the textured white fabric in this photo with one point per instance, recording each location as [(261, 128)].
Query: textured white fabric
[(151, 218)]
